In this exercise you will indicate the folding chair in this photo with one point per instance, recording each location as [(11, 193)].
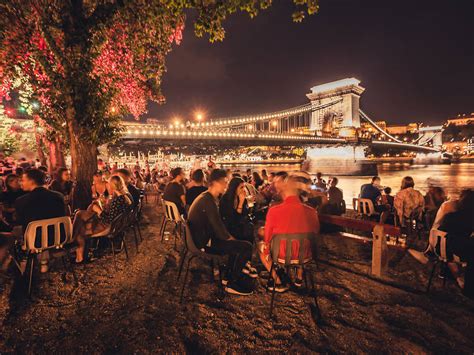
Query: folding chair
[(287, 261), (171, 215), (116, 229), (192, 251), (55, 234)]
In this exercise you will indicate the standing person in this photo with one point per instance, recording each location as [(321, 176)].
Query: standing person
[(209, 232), (291, 216), (175, 191), (408, 201), (265, 176), (234, 211), (39, 203), (198, 187)]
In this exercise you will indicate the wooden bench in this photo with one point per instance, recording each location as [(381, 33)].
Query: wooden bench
[(378, 240)]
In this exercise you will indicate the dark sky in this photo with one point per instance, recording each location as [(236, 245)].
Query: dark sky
[(414, 57)]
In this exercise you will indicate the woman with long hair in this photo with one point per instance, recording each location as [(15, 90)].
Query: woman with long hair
[(100, 186), (408, 202), (62, 183), (234, 210), (98, 217)]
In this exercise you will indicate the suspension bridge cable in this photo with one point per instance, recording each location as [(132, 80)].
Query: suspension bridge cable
[(365, 117)]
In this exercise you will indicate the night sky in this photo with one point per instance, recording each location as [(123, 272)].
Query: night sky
[(414, 57)]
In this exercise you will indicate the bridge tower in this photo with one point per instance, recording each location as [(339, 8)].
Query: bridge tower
[(343, 117)]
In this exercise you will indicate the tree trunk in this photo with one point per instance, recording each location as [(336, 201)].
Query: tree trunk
[(83, 166), (39, 149), (56, 155)]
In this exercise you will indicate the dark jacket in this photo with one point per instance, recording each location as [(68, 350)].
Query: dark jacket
[(205, 221), (40, 203)]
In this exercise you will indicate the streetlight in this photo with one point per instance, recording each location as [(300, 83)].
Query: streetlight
[(199, 116)]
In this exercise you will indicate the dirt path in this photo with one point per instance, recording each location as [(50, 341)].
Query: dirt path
[(137, 309)]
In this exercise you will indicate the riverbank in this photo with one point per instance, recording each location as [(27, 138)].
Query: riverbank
[(136, 309)]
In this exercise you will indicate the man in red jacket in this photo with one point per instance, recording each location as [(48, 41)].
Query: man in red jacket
[(289, 217)]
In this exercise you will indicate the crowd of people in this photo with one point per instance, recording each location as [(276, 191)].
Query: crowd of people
[(230, 212)]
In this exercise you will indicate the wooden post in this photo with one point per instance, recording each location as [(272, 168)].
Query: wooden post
[(379, 251)]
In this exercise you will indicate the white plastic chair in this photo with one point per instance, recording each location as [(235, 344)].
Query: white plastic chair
[(364, 207), (171, 215), (437, 242), (61, 228)]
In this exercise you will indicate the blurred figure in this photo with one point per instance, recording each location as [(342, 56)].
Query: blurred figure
[(63, 184), (320, 183), (100, 187), (434, 198)]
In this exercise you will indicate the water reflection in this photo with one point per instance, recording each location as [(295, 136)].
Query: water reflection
[(453, 178)]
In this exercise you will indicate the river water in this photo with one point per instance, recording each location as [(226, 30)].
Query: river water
[(453, 178)]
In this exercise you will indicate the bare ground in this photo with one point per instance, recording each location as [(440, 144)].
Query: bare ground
[(136, 309)]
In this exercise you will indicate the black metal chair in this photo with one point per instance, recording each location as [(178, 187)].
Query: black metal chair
[(116, 230), (192, 251), (287, 261)]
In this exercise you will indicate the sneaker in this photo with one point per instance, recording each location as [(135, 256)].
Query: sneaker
[(298, 283), (419, 256), (250, 273), (277, 287), (235, 288)]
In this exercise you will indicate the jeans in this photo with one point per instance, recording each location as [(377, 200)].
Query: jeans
[(240, 252)]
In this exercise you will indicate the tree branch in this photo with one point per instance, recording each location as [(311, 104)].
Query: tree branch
[(104, 13)]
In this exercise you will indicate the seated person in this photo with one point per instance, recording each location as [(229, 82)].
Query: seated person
[(132, 190), (63, 184), (39, 203), (100, 187), (197, 179), (320, 183), (291, 216), (235, 212), (272, 191), (434, 198), (210, 233), (372, 192), (98, 218), (335, 204), (9, 196), (408, 202), (459, 226), (175, 191), (387, 199)]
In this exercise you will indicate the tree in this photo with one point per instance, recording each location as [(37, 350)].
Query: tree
[(90, 62)]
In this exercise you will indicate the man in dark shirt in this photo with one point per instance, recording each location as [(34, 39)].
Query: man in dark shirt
[(209, 232), (39, 203), (197, 188), (175, 191), (126, 175)]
